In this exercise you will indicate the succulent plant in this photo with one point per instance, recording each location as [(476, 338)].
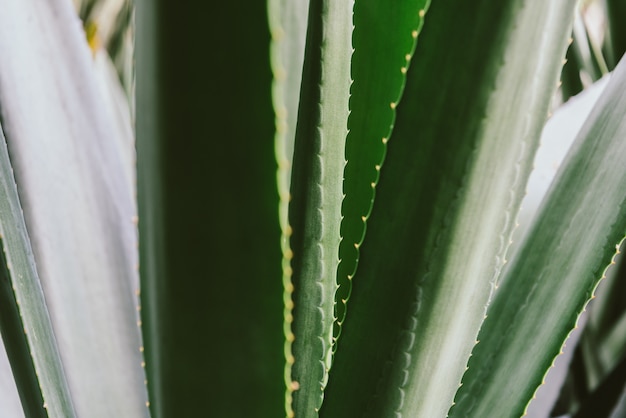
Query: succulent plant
[(321, 215)]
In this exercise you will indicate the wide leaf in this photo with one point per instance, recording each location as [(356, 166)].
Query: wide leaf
[(212, 293), (77, 203), (553, 275), (445, 205)]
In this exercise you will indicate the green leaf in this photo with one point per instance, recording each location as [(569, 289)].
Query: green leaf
[(287, 22), (212, 294), (605, 398), (316, 195), (77, 203), (9, 397), (589, 53), (554, 273), (453, 178), (615, 12), (29, 339), (379, 71), (18, 351), (556, 138), (615, 342), (570, 76)]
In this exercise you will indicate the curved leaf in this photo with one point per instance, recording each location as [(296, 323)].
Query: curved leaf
[(287, 21), (555, 271), (316, 195), (379, 71), (462, 146), (9, 397), (77, 203), (24, 321)]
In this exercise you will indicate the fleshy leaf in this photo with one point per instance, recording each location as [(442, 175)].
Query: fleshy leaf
[(555, 271)]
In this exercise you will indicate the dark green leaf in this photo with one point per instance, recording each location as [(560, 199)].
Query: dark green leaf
[(212, 291)]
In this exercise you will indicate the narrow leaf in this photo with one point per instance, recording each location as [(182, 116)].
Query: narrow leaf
[(615, 11), (558, 266), (557, 137), (18, 351), (24, 319), (379, 71), (316, 189), (288, 26), (606, 396), (9, 397), (288, 22)]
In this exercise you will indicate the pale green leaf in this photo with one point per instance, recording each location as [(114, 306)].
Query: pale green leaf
[(317, 193), (77, 202), (555, 271), (287, 22)]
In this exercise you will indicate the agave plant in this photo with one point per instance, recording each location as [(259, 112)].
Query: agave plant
[(326, 194)]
